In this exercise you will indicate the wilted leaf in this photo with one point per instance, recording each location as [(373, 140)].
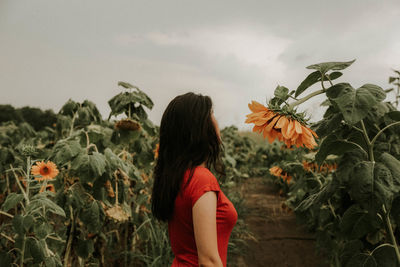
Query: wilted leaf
[(117, 213)]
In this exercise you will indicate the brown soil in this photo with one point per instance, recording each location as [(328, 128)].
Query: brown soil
[(280, 241)]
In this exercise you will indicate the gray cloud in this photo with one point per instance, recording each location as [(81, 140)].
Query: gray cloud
[(234, 52)]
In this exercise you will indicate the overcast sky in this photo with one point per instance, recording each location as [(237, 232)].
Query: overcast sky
[(234, 51)]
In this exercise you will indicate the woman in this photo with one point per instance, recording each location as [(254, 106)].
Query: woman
[(185, 192)]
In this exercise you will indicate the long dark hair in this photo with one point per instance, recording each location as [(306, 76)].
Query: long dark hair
[(187, 139)]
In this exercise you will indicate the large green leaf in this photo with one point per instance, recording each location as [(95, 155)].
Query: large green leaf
[(362, 181), (85, 248), (65, 150), (385, 256), (311, 79), (350, 249), (93, 216), (355, 104), (393, 165), (11, 201), (335, 147), (383, 184), (88, 167), (394, 115), (36, 249), (356, 222), (40, 201), (326, 66), (69, 108), (362, 260), (315, 77)]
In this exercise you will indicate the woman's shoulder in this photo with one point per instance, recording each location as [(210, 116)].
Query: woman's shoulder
[(202, 176)]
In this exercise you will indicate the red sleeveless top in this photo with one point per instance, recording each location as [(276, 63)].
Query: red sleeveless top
[(180, 227)]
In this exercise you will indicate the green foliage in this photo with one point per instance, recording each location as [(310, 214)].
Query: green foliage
[(354, 211)]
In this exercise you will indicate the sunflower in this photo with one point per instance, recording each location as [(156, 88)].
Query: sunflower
[(46, 171), (278, 172), (49, 187), (156, 151), (282, 127), (314, 167)]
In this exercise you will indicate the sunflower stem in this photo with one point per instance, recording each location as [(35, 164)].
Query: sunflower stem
[(7, 214), (70, 237), (381, 131), (391, 234), (19, 185), (28, 177), (368, 141), (304, 99), (72, 123)]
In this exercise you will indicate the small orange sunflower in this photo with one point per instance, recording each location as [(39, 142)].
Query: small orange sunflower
[(45, 171), (49, 187), (314, 167), (278, 172), (276, 126)]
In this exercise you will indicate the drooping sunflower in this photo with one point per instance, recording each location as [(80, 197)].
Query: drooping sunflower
[(282, 127), (314, 167), (278, 172), (44, 170)]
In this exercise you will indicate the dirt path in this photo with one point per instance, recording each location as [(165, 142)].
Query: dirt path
[(280, 241)]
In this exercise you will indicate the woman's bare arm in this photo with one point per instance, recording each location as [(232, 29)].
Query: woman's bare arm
[(205, 230)]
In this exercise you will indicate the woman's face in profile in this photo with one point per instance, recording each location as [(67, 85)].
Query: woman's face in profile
[(216, 126)]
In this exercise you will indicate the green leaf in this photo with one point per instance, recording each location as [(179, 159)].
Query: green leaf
[(374, 90), (36, 250), (326, 66), (394, 115), (362, 181), (41, 230), (383, 183), (5, 259), (393, 165), (392, 79), (88, 167), (11, 201), (18, 224), (334, 75), (356, 222), (69, 108), (335, 147), (350, 249), (355, 104), (362, 260), (28, 221), (336, 90), (93, 216), (311, 79), (65, 150), (85, 248), (40, 201), (281, 92), (385, 256)]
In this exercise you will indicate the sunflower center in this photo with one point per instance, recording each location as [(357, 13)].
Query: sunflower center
[(44, 171)]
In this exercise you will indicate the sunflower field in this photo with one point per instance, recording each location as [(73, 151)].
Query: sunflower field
[(75, 189), (341, 175)]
